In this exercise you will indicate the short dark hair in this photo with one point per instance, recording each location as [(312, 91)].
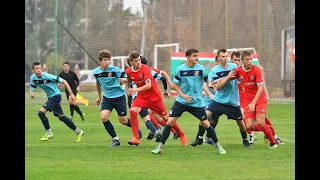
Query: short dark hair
[(65, 63), (104, 54), (133, 55), (142, 58), (235, 53), (35, 64), (219, 52), (190, 51), (245, 54)]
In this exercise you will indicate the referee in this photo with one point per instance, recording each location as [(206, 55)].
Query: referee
[(73, 80)]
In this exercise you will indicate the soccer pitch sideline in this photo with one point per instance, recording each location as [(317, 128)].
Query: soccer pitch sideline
[(62, 158)]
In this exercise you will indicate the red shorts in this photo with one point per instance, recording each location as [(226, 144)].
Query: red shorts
[(156, 106), (261, 108)]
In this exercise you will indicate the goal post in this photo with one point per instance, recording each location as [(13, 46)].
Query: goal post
[(156, 46)]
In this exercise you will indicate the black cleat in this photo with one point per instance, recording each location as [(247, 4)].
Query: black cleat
[(150, 136), (175, 136), (197, 142), (246, 143)]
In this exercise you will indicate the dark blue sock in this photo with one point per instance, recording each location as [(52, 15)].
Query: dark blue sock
[(44, 120), (165, 134), (68, 122), (200, 131), (109, 128), (212, 134), (128, 123), (150, 126), (243, 135)]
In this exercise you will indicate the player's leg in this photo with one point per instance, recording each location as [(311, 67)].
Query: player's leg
[(105, 111), (163, 123), (234, 113), (77, 108), (136, 107), (268, 122), (144, 114), (179, 108), (48, 106), (71, 106), (58, 112)]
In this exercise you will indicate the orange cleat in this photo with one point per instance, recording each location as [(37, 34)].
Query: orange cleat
[(183, 139), (134, 141)]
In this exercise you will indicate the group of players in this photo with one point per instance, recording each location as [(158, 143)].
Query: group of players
[(246, 105)]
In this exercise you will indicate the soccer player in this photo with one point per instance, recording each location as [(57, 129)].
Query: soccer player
[(235, 58), (149, 96), (47, 82), (73, 81), (144, 114), (250, 77), (187, 80), (226, 99), (110, 78), (205, 102)]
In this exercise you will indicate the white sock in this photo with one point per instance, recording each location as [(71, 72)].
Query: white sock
[(77, 130), (252, 133), (115, 139), (275, 136), (49, 131), (200, 137)]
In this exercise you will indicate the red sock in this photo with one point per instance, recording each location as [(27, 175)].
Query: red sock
[(267, 131), (257, 127), (134, 123), (268, 122), (163, 123), (154, 121), (249, 131), (177, 128)]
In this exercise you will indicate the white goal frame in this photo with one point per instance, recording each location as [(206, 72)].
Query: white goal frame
[(155, 54)]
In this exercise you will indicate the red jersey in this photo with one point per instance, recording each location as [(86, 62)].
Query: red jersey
[(241, 93), (140, 77), (156, 70), (250, 80)]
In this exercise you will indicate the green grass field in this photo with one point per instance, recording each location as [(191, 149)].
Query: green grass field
[(62, 158)]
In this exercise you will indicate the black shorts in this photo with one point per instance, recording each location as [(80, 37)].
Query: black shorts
[(178, 108), (217, 109), (53, 104), (118, 103)]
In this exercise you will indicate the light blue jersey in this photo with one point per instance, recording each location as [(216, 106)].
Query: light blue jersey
[(154, 75), (109, 81), (190, 81), (47, 82), (206, 99), (228, 94)]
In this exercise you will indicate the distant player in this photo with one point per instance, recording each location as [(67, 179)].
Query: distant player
[(48, 83), (110, 78), (188, 82), (149, 95), (73, 81)]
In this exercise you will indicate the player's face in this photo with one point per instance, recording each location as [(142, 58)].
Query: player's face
[(66, 67), (136, 63), (223, 58), (193, 58), (37, 69), (236, 60), (105, 63), (247, 62)]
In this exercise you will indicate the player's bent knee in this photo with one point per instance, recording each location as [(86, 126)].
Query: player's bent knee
[(123, 120), (41, 114), (205, 123)]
